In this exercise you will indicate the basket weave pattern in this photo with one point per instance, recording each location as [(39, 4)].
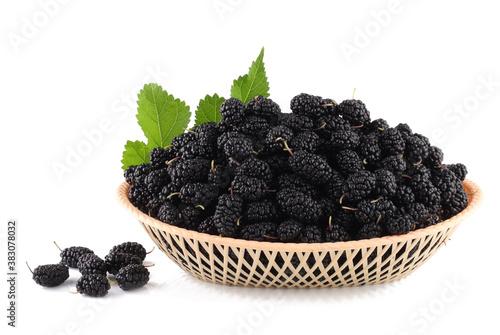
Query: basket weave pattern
[(270, 264)]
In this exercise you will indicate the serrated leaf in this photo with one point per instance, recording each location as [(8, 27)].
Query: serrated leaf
[(209, 109), (160, 115), (135, 153), (252, 84)]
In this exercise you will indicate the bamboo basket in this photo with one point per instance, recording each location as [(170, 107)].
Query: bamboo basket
[(239, 262)]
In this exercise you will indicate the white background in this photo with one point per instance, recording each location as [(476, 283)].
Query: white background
[(82, 66)]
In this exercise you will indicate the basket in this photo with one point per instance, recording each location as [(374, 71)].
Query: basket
[(239, 262)]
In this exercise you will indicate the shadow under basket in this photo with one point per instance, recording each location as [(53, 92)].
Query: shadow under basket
[(230, 261)]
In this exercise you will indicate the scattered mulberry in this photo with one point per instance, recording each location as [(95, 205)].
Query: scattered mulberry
[(117, 260), (94, 285), (132, 248), (132, 276), (91, 264), (50, 275), (70, 256)]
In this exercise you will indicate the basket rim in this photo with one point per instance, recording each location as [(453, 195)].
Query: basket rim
[(475, 200)]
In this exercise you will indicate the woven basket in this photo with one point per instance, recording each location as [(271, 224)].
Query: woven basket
[(231, 261)]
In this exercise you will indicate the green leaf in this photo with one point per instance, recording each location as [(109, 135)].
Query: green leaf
[(135, 153), (209, 109), (252, 84), (160, 115)]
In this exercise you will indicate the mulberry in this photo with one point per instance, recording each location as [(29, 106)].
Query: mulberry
[(459, 170), (132, 248), (354, 111), (94, 285), (311, 167), (348, 161), (117, 260), (359, 185), (398, 225), (261, 231), (261, 211), (391, 142), (289, 230), (50, 275), (256, 168), (70, 256), (299, 206), (232, 111), (132, 276), (198, 194), (227, 214), (91, 264)]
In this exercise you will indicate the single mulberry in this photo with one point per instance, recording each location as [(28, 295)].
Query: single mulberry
[(227, 214), (289, 230), (261, 231), (70, 256), (232, 111), (50, 275), (117, 260), (91, 264), (132, 276), (94, 285), (311, 167), (299, 206), (132, 248), (354, 111)]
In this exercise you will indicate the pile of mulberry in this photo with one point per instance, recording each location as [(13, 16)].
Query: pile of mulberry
[(322, 172)]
